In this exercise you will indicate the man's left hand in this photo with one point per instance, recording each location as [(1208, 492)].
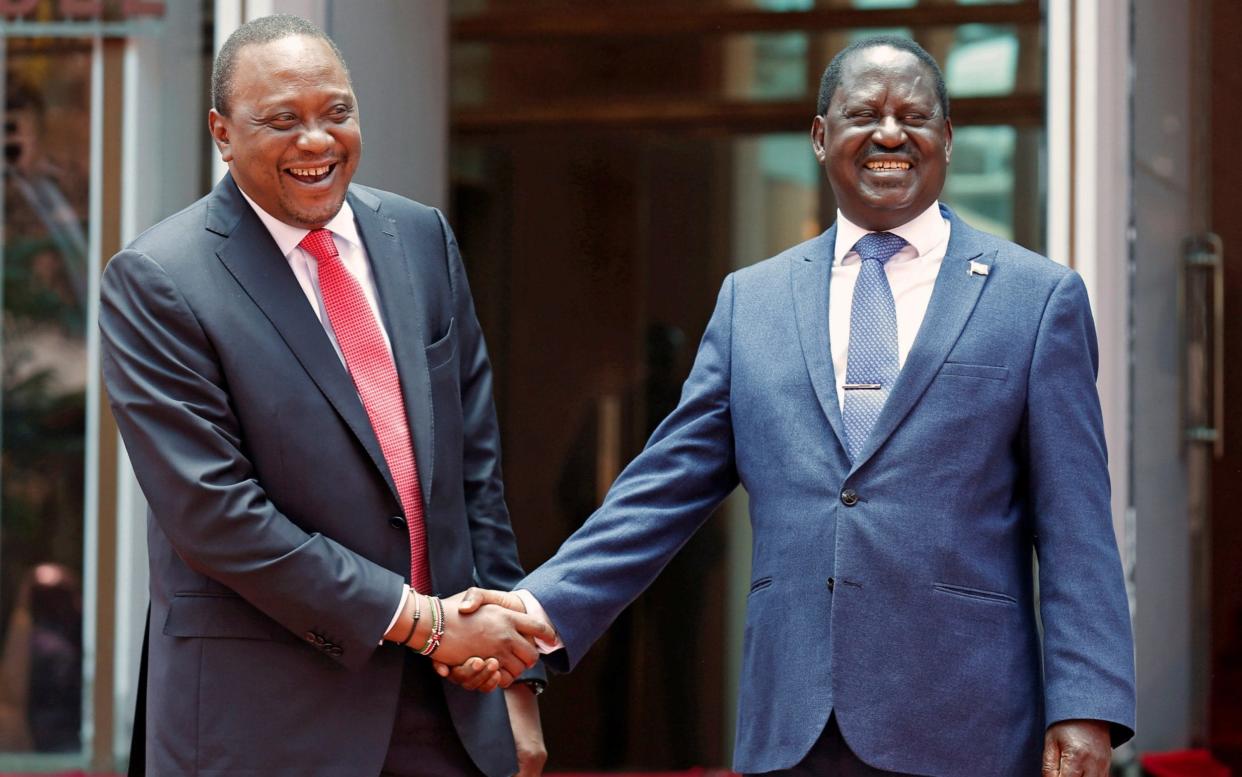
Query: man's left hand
[(1077, 748), (527, 730)]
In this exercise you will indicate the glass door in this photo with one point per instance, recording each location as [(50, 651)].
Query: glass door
[(611, 163), (44, 270)]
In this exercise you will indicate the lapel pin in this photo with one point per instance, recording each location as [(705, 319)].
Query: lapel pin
[(978, 268)]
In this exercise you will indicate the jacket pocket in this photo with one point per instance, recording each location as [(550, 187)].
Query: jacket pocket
[(441, 352), (214, 615), (983, 595), (964, 370), (760, 584)]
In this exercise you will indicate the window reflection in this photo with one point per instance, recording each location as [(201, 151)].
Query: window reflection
[(996, 181), (43, 356), (779, 68), (980, 183), (464, 8), (983, 61), (980, 60)]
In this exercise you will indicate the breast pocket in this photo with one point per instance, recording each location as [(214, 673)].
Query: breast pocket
[(444, 350), (964, 370)]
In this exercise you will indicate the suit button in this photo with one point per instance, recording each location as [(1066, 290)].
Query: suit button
[(831, 583), (849, 497), (397, 522)]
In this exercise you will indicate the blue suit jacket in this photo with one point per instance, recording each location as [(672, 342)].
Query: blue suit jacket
[(276, 538), (912, 611)]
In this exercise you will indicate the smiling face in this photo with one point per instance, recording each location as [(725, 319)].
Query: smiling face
[(291, 139), (884, 140)]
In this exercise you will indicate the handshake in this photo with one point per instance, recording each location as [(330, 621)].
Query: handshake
[(479, 639)]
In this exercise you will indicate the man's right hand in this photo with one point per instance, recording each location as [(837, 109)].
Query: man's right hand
[(504, 633), (477, 674)]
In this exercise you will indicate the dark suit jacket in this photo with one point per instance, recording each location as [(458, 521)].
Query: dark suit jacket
[(277, 543), (897, 589)]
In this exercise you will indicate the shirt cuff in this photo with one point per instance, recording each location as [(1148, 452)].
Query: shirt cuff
[(535, 610), (405, 597)]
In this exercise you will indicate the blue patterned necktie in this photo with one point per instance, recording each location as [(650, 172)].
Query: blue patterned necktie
[(871, 364)]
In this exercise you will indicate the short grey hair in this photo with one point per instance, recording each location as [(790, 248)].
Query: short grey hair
[(265, 29)]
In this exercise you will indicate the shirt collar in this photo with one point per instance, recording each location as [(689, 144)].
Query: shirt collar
[(288, 237), (924, 232)]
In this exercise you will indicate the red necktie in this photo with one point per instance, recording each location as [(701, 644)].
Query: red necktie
[(375, 375)]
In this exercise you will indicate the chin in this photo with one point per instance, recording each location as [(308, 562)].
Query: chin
[(316, 216)]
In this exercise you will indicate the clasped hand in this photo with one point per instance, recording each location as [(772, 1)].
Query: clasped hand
[(490, 624), (492, 639)]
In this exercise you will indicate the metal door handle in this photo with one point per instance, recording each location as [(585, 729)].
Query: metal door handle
[(1203, 341)]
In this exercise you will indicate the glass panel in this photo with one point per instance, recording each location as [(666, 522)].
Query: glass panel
[(43, 349), (754, 66), (979, 60), (466, 8), (996, 181), (776, 65), (600, 263), (984, 61), (789, 178), (876, 4)]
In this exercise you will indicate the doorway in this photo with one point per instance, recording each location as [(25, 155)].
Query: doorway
[(611, 163)]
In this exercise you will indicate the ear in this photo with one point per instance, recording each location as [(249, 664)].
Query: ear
[(948, 140), (218, 126), (818, 132)]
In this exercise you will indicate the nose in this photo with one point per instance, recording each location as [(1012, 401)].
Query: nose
[(314, 138), (888, 132)]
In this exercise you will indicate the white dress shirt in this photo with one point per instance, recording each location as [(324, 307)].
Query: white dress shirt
[(306, 268), (911, 275), (353, 256)]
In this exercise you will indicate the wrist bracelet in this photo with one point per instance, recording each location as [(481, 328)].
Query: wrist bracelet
[(440, 625), (437, 627), (431, 610), (413, 626)]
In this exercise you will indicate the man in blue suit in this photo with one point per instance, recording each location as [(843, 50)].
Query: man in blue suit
[(910, 404)]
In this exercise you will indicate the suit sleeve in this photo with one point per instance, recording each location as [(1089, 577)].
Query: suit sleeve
[(1088, 645), (175, 414), (492, 540), (655, 506)]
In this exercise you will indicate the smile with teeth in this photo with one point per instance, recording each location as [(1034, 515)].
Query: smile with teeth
[(887, 164), (310, 174)]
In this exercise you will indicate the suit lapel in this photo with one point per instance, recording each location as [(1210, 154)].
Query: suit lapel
[(256, 263), (810, 276), (404, 307), (953, 299)]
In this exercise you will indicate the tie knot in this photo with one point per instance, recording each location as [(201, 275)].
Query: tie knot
[(880, 246), (318, 243)]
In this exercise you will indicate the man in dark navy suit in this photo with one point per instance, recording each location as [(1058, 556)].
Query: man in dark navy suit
[(297, 371)]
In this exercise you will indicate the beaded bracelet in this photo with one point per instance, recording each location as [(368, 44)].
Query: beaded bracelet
[(431, 610), (417, 614), (443, 624), (437, 627), (440, 624)]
